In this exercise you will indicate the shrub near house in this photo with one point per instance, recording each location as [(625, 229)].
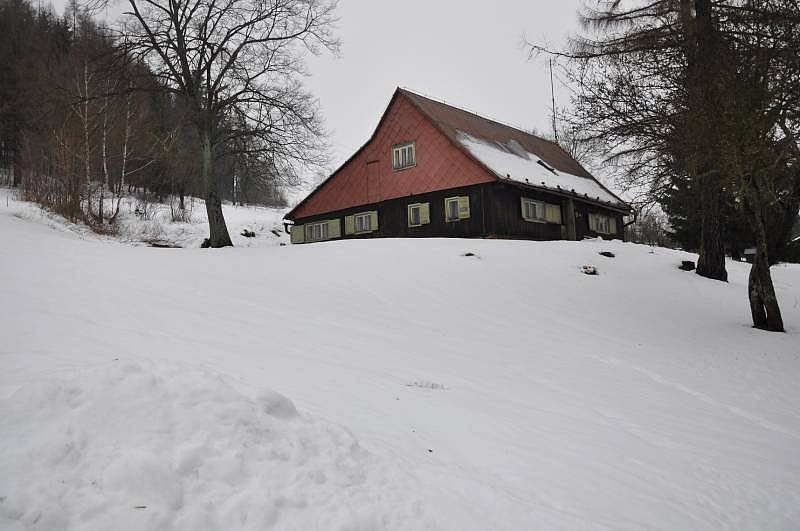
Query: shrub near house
[(433, 170)]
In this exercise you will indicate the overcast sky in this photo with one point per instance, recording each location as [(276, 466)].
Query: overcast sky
[(467, 53)]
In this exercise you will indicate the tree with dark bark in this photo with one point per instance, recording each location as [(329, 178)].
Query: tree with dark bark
[(698, 98), (237, 61), (759, 134), (643, 78)]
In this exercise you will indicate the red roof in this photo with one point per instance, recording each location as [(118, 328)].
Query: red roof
[(452, 121), (443, 161)]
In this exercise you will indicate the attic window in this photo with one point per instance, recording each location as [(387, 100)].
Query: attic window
[(404, 155)]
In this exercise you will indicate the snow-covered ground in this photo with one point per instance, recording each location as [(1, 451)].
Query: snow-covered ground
[(150, 223), (504, 390)]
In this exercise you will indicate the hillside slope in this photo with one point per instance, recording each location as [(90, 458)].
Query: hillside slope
[(504, 390)]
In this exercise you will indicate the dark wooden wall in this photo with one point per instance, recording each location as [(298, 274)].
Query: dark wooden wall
[(494, 212), (393, 216), (506, 214), (582, 211)]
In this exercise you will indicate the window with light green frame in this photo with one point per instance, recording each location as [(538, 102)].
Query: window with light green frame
[(419, 214), (361, 223), (319, 231), (456, 208), (602, 224)]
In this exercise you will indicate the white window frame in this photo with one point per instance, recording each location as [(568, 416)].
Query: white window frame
[(366, 222), (317, 232), (449, 201), (418, 208), (536, 207), (404, 156)]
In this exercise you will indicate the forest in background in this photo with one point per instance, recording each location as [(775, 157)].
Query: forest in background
[(87, 115)]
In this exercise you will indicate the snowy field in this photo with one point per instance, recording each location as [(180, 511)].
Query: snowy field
[(150, 223), (390, 384)]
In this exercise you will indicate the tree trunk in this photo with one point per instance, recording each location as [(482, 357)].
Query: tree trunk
[(711, 262), (218, 230), (763, 301), (702, 46)]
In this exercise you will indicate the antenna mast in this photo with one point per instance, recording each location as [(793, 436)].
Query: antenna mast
[(553, 98)]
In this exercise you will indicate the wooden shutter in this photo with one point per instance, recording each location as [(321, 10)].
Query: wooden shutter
[(373, 220), (424, 213), (463, 207), (612, 225), (349, 224), (334, 228), (593, 222), (552, 213), (522, 201), (298, 234)]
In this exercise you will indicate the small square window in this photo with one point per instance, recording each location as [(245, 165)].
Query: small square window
[(404, 156)]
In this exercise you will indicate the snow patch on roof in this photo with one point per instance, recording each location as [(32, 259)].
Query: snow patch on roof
[(515, 163)]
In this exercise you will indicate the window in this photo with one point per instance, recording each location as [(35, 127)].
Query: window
[(539, 211), (363, 223), (414, 215), (602, 224), (456, 208), (533, 210), (404, 156), (317, 231), (451, 209), (419, 214)]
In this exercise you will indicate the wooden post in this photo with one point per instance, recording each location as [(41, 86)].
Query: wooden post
[(570, 221)]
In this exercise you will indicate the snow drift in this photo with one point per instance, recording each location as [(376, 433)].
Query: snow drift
[(146, 445)]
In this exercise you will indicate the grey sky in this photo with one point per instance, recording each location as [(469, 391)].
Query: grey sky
[(469, 54)]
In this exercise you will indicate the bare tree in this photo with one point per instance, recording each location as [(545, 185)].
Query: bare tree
[(237, 59), (699, 96)]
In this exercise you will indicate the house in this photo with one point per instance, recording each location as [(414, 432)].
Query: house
[(433, 170)]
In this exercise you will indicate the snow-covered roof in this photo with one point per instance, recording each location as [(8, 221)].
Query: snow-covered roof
[(512, 161)]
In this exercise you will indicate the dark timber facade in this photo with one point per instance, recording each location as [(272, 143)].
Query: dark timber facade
[(420, 175)]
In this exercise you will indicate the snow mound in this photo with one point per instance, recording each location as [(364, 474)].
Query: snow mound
[(146, 445)]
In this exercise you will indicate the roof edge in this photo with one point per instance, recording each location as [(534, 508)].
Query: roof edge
[(461, 147), (290, 215), (622, 206)]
